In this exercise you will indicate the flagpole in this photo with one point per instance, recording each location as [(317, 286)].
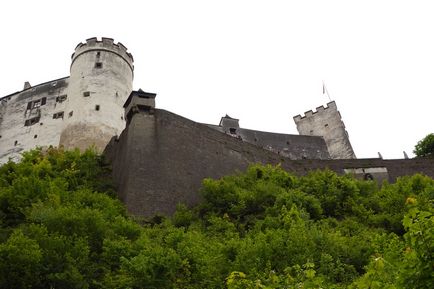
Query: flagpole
[(325, 91)]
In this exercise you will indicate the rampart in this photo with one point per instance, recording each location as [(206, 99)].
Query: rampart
[(161, 158)]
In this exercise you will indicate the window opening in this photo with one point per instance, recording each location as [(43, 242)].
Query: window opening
[(35, 136), (232, 130), (71, 113), (86, 93), (31, 121), (61, 98), (97, 107), (98, 65), (15, 143), (58, 115)]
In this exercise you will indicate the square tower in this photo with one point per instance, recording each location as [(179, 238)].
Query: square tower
[(327, 122)]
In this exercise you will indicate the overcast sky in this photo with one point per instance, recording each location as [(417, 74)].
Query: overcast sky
[(260, 61)]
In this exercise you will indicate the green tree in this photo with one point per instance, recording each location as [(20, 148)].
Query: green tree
[(425, 147)]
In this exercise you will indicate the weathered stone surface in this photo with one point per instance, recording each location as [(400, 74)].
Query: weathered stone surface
[(327, 123), (161, 159), (27, 118)]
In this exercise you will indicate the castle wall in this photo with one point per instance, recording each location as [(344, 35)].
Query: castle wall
[(161, 159), (32, 117), (295, 147), (327, 122), (100, 82)]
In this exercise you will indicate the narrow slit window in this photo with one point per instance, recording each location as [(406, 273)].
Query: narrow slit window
[(97, 107), (15, 143)]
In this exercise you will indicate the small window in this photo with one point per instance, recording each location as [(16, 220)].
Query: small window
[(61, 98), (35, 136), (326, 125), (98, 54), (86, 93), (15, 143), (36, 104), (97, 107), (232, 130), (71, 113), (98, 65), (58, 115), (31, 121)]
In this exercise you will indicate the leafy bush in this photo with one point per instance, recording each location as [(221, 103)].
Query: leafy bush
[(62, 227)]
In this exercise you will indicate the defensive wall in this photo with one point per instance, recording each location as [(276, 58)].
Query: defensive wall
[(161, 158), (288, 145)]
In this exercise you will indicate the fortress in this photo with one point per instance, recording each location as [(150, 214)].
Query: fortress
[(159, 158)]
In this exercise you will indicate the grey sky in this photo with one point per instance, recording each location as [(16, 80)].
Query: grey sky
[(260, 61)]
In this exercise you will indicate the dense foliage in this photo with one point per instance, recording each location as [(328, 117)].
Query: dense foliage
[(62, 227), (425, 147)]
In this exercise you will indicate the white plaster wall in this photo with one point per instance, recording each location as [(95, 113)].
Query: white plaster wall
[(14, 113), (109, 88)]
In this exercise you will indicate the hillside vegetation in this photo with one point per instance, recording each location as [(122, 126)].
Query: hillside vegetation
[(62, 227)]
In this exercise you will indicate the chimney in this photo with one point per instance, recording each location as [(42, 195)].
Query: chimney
[(26, 85)]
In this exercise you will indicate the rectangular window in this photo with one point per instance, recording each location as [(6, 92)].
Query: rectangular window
[(97, 107), (36, 103), (86, 93), (58, 115), (31, 121), (98, 65)]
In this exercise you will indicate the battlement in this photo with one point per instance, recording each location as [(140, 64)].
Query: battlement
[(105, 44), (319, 109)]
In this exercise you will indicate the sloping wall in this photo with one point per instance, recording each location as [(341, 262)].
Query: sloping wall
[(161, 158), (295, 147)]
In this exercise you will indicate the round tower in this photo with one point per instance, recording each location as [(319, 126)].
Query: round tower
[(101, 79)]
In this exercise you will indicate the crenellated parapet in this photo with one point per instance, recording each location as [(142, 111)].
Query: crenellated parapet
[(319, 109), (105, 44)]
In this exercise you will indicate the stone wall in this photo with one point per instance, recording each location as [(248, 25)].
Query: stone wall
[(100, 82), (32, 117), (327, 122), (161, 159), (295, 147)]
